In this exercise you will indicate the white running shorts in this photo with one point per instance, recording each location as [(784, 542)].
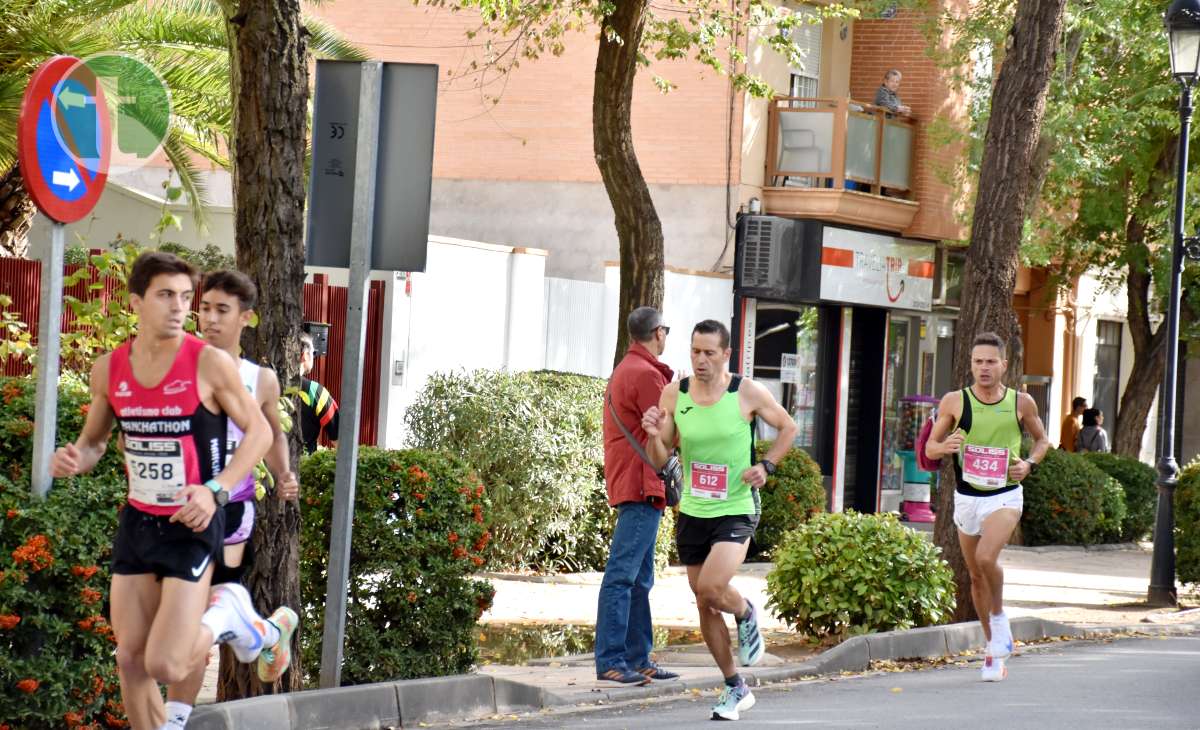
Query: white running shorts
[(970, 512)]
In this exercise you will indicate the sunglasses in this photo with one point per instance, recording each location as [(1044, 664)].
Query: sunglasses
[(666, 330)]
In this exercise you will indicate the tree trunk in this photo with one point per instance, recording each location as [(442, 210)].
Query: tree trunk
[(1149, 346), (639, 231), (16, 214), (1005, 182), (268, 49)]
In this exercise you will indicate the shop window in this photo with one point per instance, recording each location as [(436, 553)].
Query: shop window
[(786, 361), (1107, 379)]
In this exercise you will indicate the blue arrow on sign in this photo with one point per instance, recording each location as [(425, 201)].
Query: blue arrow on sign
[(56, 164)]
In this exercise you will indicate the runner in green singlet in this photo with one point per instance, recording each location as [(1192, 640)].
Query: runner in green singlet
[(713, 414), (980, 427)]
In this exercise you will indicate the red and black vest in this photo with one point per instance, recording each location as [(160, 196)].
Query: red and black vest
[(171, 439)]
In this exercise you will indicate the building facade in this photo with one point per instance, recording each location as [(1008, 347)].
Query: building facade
[(832, 225)]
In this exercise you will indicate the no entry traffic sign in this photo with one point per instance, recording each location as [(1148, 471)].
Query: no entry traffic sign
[(63, 142)]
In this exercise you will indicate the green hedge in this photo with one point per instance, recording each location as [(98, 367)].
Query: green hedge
[(536, 440), (1070, 501), (848, 573), (1139, 482), (420, 533), (1187, 523), (789, 498), (57, 665)]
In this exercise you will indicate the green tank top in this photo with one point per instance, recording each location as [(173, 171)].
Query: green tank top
[(715, 445), (989, 428)]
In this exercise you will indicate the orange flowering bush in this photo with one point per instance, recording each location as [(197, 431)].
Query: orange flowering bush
[(420, 534), (57, 664)]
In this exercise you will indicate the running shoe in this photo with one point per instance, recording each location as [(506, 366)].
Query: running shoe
[(247, 640), (993, 669), (623, 675), (274, 660), (750, 643), (657, 673), (1000, 647), (733, 700)]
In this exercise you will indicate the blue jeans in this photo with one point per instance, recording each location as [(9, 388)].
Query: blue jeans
[(624, 633)]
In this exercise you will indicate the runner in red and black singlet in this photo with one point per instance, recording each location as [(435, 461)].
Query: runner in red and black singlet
[(171, 395), (170, 438)]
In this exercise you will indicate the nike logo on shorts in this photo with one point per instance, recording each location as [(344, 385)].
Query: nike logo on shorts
[(199, 569)]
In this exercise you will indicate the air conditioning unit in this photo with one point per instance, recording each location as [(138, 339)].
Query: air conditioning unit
[(778, 258)]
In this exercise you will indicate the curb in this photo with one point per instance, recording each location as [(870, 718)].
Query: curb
[(409, 703)]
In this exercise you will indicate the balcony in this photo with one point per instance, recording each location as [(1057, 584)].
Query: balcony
[(840, 160)]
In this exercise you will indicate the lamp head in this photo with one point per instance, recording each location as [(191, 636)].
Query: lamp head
[(1183, 31)]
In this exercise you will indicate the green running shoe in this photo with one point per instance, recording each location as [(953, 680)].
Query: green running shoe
[(733, 700)]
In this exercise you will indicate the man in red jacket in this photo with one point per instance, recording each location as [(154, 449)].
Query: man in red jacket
[(624, 632)]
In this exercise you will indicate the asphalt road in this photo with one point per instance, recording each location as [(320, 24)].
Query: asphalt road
[(1125, 684)]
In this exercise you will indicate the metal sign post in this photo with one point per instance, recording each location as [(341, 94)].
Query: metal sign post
[(361, 233), (63, 149), (45, 415)]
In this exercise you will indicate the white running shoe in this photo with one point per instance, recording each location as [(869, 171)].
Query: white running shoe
[(993, 669), (247, 638)]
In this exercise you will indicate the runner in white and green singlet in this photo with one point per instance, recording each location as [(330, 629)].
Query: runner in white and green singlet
[(713, 413)]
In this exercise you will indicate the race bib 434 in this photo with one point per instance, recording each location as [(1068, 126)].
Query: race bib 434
[(985, 466)]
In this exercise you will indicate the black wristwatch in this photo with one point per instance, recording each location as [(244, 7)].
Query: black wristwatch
[(220, 496), (1033, 465), (768, 467)]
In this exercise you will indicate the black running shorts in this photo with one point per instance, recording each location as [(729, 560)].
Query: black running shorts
[(147, 543), (695, 536), (235, 517)]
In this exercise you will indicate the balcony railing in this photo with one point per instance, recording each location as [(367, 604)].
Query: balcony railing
[(839, 144), (841, 161)]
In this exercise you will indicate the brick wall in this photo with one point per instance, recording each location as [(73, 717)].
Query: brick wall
[(899, 43), (541, 129)]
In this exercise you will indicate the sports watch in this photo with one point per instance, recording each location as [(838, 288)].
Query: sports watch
[(768, 466), (220, 496), (1033, 465)]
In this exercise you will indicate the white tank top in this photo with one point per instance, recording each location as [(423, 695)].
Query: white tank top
[(249, 373)]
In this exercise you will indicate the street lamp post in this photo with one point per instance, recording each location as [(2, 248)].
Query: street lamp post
[(1183, 30)]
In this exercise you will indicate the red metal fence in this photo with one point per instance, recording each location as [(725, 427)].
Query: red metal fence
[(324, 303), (21, 279)]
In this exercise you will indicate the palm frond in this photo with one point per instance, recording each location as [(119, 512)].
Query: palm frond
[(190, 180), (12, 90), (325, 41)]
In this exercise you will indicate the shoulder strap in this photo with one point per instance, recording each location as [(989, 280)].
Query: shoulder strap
[(964, 419), (735, 382), (637, 448), (684, 384)]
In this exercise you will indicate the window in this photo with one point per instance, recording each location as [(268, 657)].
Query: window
[(1107, 379), (807, 38)]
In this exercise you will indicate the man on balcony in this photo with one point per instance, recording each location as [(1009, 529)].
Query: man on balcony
[(886, 96)]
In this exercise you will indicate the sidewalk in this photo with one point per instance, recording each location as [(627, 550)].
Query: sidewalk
[(1074, 585)]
